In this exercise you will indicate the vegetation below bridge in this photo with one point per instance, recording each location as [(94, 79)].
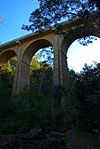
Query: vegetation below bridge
[(40, 108)]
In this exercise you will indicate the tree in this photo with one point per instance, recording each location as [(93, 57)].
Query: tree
[(88, 94), (53, 12), (41, 78), (46, 54), (97, 2)]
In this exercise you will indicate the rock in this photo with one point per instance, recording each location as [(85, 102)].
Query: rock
[(38, 139), (35, 131)]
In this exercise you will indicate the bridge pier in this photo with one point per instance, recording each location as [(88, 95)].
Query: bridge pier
[(21, 78), (60, 77), (61, 73)]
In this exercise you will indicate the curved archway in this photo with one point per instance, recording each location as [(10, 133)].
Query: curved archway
[(34, 47), (77, 34), (7, 68), (5, 56), (78, 55), (68, 39), (27, 57)]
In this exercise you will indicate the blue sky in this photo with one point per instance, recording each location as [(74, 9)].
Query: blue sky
[(17, 12)]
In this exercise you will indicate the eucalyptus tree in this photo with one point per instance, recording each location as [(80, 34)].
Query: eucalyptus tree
[(53, 12)]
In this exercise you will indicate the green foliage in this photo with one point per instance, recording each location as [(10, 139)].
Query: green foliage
[(31, 109), (42, 79), (52, 12), (94, 143), (70, 114), (8, 67), (7, 71), (39, 107), (13, 126), (88, 93), (66, 138), (36, 106), (5, 89), (35, 65), (26, 111), (45, 55)]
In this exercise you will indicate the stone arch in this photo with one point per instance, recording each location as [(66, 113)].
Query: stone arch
[(80, 54), (33, 48), (76, 34), (68, 39), (6, 55), (24, 68)]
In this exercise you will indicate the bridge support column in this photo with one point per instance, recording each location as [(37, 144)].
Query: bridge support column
[(61, 81), (21, 77), (60, 64), (61, 73)]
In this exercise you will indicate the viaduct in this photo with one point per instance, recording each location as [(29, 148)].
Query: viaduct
[(60, 38)]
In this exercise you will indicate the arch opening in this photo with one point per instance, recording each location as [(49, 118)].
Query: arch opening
[(5, 56), (34, 47), (39, 65), (8, 61), (83, 38), (84, 53)]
